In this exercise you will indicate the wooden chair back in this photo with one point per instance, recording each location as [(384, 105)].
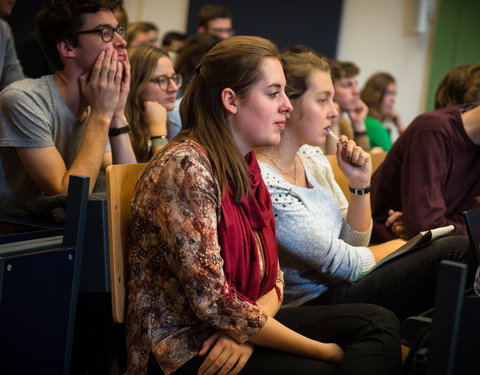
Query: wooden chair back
[(121, 182), (377, 159)]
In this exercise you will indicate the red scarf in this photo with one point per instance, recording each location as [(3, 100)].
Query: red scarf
[(237, 241)]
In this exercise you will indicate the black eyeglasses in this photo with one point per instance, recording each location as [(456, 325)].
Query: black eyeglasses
[(164, 81), (106, 32)]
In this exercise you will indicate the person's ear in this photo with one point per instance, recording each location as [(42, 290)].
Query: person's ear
[(201, 29), (229, 100), (66, 49)]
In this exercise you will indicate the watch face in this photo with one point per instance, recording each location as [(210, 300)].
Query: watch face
[(362, 191)]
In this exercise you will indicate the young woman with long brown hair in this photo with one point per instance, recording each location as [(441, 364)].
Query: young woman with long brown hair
[(204, 285)]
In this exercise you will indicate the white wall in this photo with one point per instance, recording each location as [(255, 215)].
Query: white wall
[(375, 34), (380, 35), (168, 15)]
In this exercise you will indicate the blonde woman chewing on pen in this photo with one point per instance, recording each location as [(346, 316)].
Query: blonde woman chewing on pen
[(323, 237)]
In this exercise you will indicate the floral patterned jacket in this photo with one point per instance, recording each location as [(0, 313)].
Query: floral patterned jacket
[(175, 280)]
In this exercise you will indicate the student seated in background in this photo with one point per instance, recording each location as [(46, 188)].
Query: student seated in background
[(173, 41), (215, 19), (71, 122), (204, 286), (139, 33), (379, 94), (432, 173), (10, 68), (153, 91), (353, 110), (187, 60), (322, 236)]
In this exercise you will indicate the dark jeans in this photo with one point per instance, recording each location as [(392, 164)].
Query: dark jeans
[(407, 284), (368, 334)]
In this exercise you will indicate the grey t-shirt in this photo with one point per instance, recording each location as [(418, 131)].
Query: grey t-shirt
[(32, 114), (10, 68)]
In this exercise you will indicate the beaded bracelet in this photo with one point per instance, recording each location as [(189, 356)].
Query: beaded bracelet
[(159, 142)]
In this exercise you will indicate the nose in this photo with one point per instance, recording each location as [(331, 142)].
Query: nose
[(286, 106), (355, 89), (118, 41), (224, 34), (333, 112), (172, 86)]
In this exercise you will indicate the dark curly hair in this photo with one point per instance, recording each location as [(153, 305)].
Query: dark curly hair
[(60, 20)]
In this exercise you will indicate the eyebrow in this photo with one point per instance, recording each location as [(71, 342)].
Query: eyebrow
[(163, 76), (326, 92), (276, 85), (106, 25)]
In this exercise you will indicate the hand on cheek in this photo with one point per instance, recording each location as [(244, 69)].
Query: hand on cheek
[(101, 86)]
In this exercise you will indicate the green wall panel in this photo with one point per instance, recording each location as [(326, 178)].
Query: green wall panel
[(456, 41)]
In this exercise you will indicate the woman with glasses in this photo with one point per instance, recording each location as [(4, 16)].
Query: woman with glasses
[(153, 90)]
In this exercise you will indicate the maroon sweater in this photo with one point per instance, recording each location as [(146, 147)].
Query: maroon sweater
[(432, 174)]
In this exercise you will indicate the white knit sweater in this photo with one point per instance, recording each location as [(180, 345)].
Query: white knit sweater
[(317, 247)]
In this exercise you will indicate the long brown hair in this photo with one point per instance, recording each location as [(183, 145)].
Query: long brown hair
[(373, 93), (143, 62), (234, 63)]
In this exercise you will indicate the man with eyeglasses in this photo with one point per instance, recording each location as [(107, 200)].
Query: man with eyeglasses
[(71, 122), (215, 19)]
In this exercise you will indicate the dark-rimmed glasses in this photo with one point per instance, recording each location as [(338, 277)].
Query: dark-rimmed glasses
[(164, 81), (106, 32)]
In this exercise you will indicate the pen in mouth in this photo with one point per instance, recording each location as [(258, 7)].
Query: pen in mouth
[(344, 145)]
